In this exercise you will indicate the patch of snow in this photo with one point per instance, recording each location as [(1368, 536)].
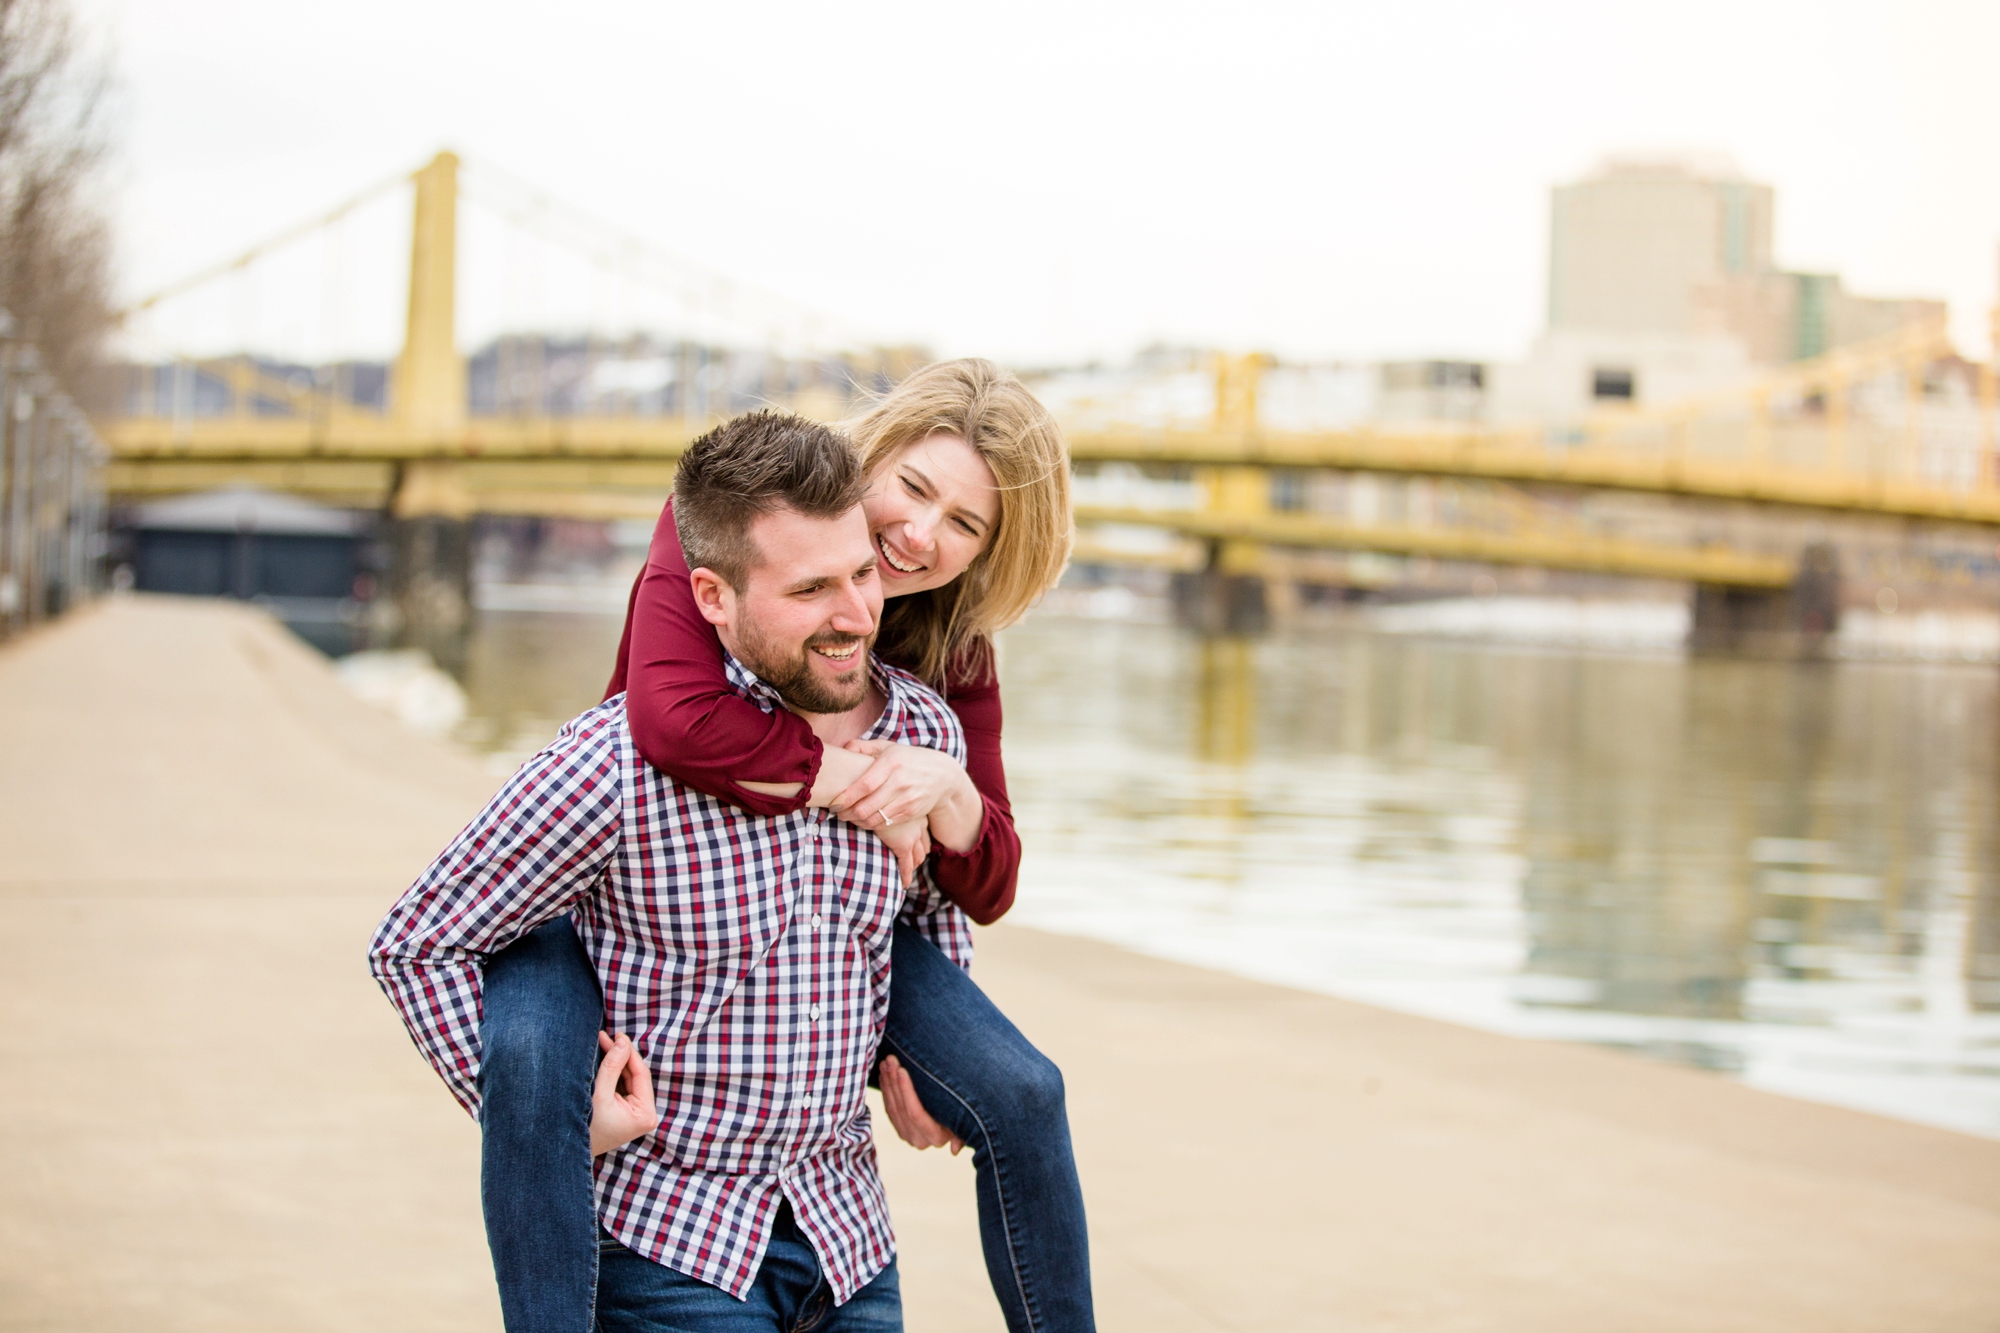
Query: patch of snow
[(408, 685)]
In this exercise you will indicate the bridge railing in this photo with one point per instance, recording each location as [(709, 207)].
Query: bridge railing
[(52, 502)]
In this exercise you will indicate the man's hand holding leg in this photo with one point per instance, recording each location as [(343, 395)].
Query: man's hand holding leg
[(913, 1123)]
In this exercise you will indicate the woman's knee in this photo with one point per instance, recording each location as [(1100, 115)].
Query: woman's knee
[(1037, 1088), (1024, 1089), (542, 1008), (519, 1049)]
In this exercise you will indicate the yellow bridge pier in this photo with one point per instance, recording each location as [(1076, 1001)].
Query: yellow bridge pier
[(430, 509), (1230, 594)]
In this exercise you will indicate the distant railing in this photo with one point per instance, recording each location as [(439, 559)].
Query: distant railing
[(52, 513)]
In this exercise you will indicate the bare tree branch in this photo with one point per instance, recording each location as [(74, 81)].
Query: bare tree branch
[(55, 244)]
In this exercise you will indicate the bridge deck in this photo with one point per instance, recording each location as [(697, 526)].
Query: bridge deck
[(592, 467), (148, 454)]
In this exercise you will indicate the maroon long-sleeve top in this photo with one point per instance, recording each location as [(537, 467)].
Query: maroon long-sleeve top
[(691, 726)]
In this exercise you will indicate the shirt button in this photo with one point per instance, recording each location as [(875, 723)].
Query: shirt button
[(806, 1102), (817, 921), (815, 1013)]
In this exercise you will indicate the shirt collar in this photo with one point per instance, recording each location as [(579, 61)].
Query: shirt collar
[(889, 683)]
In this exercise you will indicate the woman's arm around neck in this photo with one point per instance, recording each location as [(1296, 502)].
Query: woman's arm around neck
[(686, 720)]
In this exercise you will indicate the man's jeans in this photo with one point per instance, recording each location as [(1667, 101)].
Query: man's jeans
[(977, 1075), (790, 1295)]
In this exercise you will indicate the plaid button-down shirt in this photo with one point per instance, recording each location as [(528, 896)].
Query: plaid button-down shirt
[(748, 958)]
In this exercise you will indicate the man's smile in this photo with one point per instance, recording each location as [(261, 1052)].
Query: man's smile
[(844, 653)]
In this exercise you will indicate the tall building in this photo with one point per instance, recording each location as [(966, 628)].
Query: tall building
[(1656, 247), (1663, 284)]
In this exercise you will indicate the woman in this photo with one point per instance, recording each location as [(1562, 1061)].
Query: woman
[(968, 504)]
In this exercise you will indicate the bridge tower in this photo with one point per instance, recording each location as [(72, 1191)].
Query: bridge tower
[(430, 374), (1228, 594), (431, 509)]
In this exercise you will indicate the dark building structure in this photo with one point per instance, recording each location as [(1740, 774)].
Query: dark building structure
[(303, 561)]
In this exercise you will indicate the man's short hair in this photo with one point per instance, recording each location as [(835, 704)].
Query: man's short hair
[(755, 464)]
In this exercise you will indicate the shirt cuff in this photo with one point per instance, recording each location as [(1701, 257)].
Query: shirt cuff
[(771, 807), (979, 845)]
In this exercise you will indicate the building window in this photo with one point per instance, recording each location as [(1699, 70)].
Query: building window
[(1610, 384), (1288, 490)]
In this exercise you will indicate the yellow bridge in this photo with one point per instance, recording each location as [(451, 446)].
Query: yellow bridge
[(1852, 431)]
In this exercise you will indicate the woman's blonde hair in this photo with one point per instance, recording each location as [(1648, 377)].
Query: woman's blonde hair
[(945, 631)]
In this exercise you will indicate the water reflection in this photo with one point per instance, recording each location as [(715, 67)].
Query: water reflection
[(1226, 700), (1784, 872), (528, 672)]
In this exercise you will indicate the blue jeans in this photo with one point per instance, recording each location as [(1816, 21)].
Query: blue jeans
[(975, 1072), (538, 1062), (790, 1295)]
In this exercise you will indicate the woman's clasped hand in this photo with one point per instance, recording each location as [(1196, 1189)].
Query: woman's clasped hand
[(905, 782), (621, 1103)]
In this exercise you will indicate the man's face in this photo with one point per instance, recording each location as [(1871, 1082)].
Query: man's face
[(808, 610)]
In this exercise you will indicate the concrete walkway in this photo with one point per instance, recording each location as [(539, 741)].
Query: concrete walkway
[(211, 1120)]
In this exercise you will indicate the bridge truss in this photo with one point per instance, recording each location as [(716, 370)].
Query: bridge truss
[(1902, 427)]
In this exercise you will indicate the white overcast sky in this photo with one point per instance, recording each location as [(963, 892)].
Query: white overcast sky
[(1039, 181)]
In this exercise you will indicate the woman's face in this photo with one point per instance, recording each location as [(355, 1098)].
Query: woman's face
[(931, 509)]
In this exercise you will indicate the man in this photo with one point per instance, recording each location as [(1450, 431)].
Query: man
[(748, 957)]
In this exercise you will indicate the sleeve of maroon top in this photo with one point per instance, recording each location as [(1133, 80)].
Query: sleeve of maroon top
[(685, 719), (982, 879)]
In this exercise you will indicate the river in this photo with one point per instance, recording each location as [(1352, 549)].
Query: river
[(1786, 873)]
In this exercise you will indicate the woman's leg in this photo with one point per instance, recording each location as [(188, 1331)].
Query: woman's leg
[(538, 1060), (981, 1079)]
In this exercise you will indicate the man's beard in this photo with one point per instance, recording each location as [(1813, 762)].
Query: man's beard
[(792, 675)]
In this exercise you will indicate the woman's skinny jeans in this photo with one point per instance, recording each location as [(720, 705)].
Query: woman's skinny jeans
[(976, 1074)]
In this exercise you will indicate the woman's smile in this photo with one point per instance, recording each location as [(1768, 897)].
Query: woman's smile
[(896, 563), (932, 509)]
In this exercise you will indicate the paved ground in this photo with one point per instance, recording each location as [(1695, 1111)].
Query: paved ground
[(210, 1120)]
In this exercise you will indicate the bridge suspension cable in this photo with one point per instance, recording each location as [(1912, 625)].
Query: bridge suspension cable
[(721, 308), (744, 311), (297, 232)]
